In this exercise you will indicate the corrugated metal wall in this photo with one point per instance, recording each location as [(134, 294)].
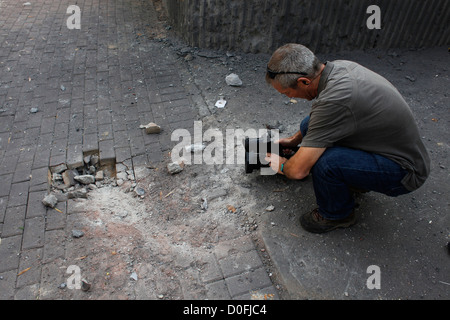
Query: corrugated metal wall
[(322, 25)]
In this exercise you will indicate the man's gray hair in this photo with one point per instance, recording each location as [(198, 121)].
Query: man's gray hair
[(293, 57)]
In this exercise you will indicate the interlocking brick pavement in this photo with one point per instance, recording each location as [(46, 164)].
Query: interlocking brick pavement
[(65, 94)]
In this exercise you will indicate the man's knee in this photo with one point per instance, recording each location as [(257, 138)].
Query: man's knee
[(327, 165)]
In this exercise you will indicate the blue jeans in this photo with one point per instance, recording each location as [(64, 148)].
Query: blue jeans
[(341, 168)]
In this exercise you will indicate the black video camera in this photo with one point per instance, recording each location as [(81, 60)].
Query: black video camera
[(256, 149)]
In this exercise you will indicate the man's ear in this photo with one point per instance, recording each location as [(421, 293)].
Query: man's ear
[(303, 81)]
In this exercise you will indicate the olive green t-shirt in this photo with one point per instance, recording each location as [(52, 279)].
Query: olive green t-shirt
[(359, 109)]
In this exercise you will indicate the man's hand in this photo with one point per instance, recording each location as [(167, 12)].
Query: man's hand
[(291, 142), (275, 162)]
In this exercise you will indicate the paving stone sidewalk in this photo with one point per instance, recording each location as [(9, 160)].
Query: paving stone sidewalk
[(67, 93)]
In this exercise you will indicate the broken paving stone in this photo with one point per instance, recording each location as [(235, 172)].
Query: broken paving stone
[(122, 176), (68, 177), (233, 80), (174, 168), (57, 177), (87, 159), (80, 193), (59, 168), (91, 170), (151, 128), (50, 200), (99, 176), (94, 159), (85, 179)]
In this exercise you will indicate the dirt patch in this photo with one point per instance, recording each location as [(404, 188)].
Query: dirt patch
[(155, 244)]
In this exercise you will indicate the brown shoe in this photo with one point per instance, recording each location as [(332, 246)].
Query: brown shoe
[(315, 223)]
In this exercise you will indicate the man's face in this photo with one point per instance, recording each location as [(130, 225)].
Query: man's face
[(298, 92)]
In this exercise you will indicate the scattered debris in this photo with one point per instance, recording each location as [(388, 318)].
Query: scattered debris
[(221, 103), (77, 233), (79, 193), (151, 128), (23, 271), (68, 177), (174, 168), (62, 285), (270, 208), (50, 200), (204, 205), (34, 110), (140, 192), (85, 286), (134, 276), (99, 175), (233, 80), (410, 78), (85, 179)]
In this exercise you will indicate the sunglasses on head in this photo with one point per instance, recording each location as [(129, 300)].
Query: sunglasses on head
[(273, 74)]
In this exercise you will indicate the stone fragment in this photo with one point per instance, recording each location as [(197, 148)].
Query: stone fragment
[(99, 176), (87, 159), (122, 176), (94, 159), (50, 200), (85, 179), (68, 177), (151, 128), (233, 80), (174, 168), (58, 168), (80, 193), (77, 233)]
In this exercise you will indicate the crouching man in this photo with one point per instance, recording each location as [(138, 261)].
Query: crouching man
[(360, 134)]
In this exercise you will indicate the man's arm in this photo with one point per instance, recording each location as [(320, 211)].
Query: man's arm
[(299, 166)]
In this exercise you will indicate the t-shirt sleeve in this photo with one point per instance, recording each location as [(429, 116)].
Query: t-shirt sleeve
[(328, 124)]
